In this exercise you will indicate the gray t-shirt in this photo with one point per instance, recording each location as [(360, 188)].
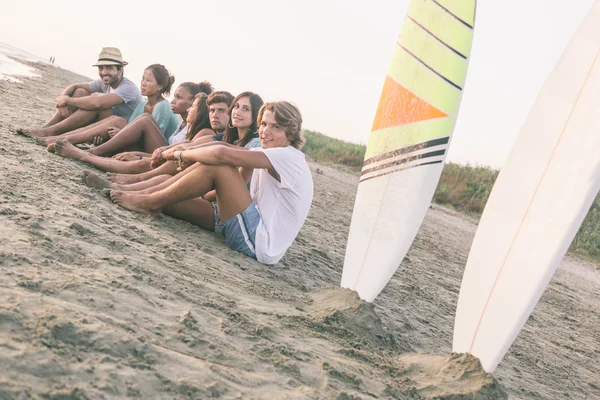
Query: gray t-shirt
[(126, 90)]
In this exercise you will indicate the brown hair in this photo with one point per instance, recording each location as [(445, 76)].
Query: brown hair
[(220, 96), (195, 88), (163, 78), (202, 120), (288, 117), (231, 132)]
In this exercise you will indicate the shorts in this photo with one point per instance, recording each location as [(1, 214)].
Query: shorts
[(239, 231)]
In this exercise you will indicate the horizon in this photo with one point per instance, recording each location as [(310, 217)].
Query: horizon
[(329, 58)]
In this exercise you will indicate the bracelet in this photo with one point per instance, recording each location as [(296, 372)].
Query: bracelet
[(180, 159)]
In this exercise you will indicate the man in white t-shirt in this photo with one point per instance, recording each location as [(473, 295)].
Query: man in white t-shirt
[(84, 103), (261, 223)]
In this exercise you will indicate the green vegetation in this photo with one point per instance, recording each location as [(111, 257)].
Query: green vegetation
[(465, 188), (327, 150)]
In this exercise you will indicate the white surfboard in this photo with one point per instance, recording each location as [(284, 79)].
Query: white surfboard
[(540, 199), (409, 140)]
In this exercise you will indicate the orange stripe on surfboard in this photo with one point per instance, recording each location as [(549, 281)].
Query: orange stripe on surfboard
[(399, 106)]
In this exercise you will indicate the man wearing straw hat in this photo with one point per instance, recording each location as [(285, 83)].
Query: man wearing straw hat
[(84, 103)]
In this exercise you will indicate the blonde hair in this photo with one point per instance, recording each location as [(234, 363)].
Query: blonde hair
[(288, 117)]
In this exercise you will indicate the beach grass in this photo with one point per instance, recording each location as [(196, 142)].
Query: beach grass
[(464, 188)]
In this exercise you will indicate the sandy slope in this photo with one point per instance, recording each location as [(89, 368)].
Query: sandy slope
[(99, 302)]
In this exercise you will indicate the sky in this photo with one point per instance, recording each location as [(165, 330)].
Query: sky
[(329, 57)]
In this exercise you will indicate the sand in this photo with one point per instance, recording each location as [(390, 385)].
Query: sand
[(97, 302)]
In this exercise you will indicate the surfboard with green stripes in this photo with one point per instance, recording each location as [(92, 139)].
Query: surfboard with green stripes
[(410, 136)]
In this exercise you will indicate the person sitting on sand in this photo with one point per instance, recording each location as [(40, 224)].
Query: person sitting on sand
[(156, 84), (218, 103), (145, 133), (83, 103), (242, 132), (219, 119), (141, 129), (185, 131), (242, 128), (261, 222)]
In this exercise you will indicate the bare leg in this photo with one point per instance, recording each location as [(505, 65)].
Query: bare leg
[(167, 182), (76, 120), (67, 150), (98, 182), (196, 211), (168, 168), (232, 194), (143, 129), (56, 118), (88, 133)]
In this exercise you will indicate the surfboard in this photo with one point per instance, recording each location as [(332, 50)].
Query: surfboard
[(409, 140), (538, 202)]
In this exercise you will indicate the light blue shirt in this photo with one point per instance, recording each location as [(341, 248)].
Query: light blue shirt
[(126, 90), (162, 114)]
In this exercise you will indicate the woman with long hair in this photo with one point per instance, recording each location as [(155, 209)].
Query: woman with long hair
[(242, 130), (261, 222), (141, 129), (155, 85)]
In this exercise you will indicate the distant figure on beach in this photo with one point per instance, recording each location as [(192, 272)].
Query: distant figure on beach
[(84, 103), (156, 111)]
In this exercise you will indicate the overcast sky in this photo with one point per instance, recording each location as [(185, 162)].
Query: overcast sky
[(327, 56)]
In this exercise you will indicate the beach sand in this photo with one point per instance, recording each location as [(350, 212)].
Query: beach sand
[(98, 302)]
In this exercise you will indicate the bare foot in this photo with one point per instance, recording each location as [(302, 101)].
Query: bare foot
[(23, 132), (122, 178), (39, 141), (133, 202), (48, 140), (42, 132), (66, 149), (96, 181), (51, 147)]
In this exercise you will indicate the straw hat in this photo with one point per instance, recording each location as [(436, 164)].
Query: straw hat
[(110, 56)]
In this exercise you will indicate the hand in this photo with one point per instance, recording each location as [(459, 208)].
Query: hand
[(127, 156), (98, 140), (169, 153), (62, 101), (64, 111), (112, 131), (182, 165), (157, 159)]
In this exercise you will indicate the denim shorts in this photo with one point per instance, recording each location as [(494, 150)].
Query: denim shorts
[(239, 231)]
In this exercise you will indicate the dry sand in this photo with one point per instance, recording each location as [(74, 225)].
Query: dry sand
[(98, 302)]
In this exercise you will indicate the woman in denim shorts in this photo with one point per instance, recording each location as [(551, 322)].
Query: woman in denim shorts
[(261, 222)]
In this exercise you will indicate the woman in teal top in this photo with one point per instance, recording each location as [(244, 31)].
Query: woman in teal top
[(155, 85)]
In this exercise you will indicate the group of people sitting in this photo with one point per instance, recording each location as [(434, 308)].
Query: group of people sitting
[(224, 163)]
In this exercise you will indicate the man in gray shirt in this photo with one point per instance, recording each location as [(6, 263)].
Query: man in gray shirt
[(84, 103)]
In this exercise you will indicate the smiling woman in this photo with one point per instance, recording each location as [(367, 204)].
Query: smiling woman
[(261, 222), (156, 83)]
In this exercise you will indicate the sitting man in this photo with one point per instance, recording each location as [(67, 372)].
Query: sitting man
[(84, 103), (261, 222)]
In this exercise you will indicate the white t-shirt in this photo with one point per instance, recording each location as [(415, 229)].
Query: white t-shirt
[(283, 206), (179, 135)]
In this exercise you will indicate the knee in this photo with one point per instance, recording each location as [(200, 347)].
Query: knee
[(117, 121), (80, 92)]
